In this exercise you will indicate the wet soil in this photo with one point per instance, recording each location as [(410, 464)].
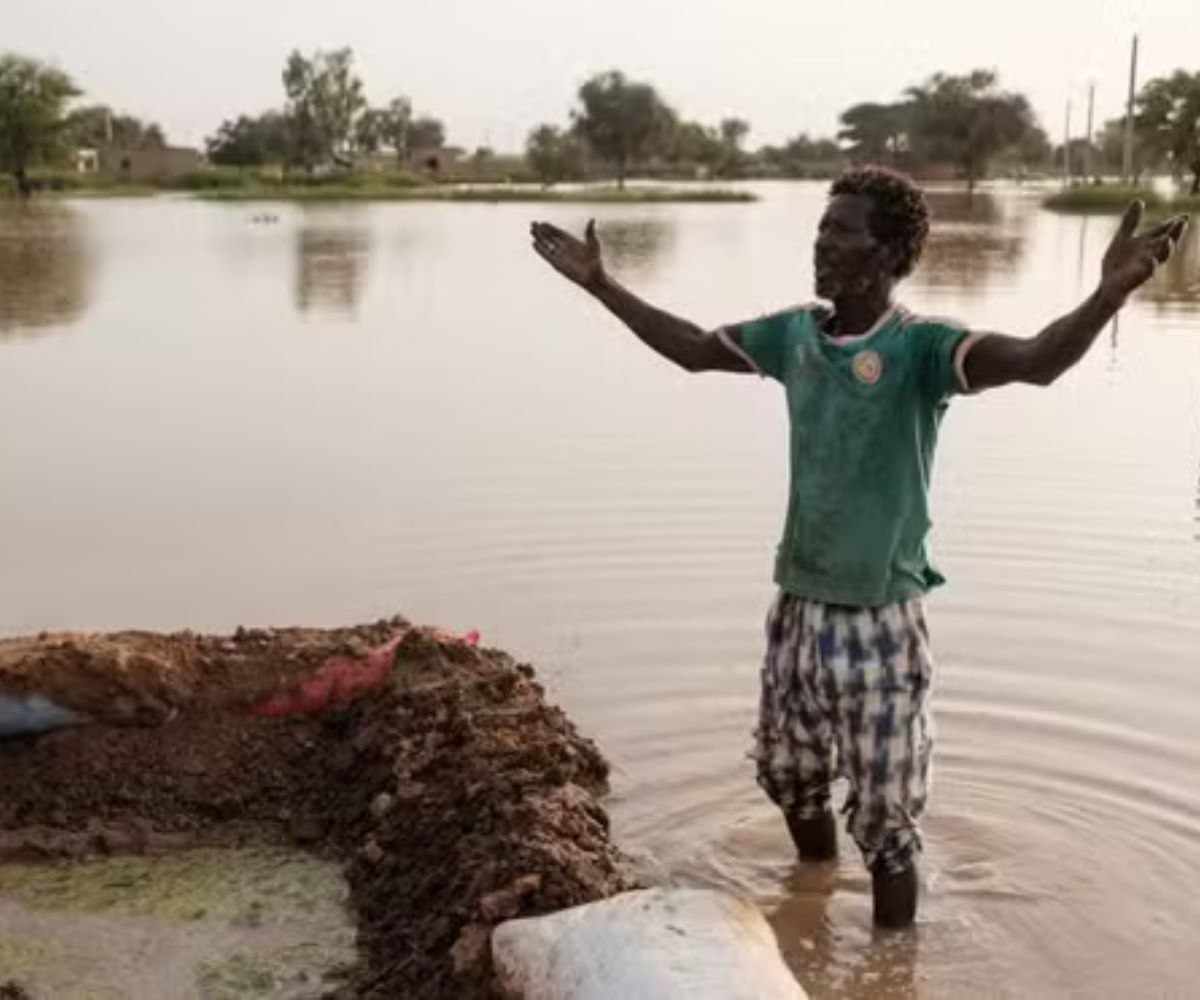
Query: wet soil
[(208, 924), (454, 794)]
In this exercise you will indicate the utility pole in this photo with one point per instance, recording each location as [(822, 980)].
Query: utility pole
[(1089, 168), (1067, 146), (1127, 158)]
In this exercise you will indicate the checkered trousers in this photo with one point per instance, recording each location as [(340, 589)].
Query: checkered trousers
[(845, 693)]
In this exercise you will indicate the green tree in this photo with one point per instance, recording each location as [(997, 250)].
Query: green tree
[(1033, 151), (733, 132), (1083, 158), (695, 144), (554, 155), (98, 125), (251, 141), (369, 131), (875, 133), (426, 134), (622, 121), (1033, 154), (325, 100), (33, 103), (967, 120), (1110, 143), (396, 125), (1168, 123), (803, 156)]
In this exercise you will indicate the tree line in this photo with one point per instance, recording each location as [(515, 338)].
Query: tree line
[(326, 121), (620, 126), (966, 122), (966, 125), (38, 125)]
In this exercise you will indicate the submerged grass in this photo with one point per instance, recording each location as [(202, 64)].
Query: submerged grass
[(234, 185), (1101, 199), (104, 193), (237, 976), (266, 924), (308, 194), (247, 888), (480, 195), (1112, 200)]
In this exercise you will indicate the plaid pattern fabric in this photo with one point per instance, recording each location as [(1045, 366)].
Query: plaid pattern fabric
[(845, 693)]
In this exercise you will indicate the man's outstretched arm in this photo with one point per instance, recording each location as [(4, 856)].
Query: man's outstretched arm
[(1131, 260), (676, 339)]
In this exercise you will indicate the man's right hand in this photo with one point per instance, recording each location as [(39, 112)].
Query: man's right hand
[(677, 340), (577, 260)]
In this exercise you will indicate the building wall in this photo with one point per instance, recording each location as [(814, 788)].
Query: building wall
[(140, 166)]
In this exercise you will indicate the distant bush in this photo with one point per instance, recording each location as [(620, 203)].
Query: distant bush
[(491, 170), (633, 195), (487, 194), (400, 179), (216, 179), (1101, 199), (66, 180), (339, 179), (54, 181)]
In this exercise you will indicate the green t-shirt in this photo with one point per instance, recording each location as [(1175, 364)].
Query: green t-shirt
[(864, 415)]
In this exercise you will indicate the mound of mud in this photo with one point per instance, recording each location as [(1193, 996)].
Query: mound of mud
[(134, 678), (456, 796)]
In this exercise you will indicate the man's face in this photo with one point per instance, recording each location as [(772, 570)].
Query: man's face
[(847, 258)]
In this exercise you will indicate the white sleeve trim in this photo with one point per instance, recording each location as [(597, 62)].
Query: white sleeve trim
[(960, 359), (725, 338)]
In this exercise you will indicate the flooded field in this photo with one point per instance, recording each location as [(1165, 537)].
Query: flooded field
[(349, 413)]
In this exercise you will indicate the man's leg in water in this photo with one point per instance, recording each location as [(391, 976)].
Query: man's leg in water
[(881, 663), (795, 737)]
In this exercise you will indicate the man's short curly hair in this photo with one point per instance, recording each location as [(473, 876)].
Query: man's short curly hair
[(899, 215)]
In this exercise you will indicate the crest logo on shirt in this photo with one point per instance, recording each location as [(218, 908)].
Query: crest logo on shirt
[(868, 367)]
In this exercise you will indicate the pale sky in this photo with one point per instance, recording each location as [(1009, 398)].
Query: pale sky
[(491, 70)]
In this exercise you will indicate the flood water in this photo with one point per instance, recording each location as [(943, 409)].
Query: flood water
[(339, 414)]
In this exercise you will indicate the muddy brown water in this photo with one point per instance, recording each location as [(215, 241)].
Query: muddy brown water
[(352, 412)]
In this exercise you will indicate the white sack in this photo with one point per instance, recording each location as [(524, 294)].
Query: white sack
[(658, 944)]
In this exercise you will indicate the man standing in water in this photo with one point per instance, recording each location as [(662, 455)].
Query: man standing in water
[(847, 673)]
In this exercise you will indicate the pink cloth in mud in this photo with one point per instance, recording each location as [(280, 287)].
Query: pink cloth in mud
[(340, 678)]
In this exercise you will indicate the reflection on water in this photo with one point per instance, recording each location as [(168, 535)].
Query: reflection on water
[(848, 966), (638, 247), (44, 267), (972, 241), (332, 259), (955, 258), (1178, 282), (949, 206)]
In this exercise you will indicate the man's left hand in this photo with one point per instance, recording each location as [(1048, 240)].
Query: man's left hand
[(1134, 255)]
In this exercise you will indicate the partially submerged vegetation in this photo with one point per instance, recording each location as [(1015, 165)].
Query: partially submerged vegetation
[(487, 194), (1113, 199), (231, 185), (70, 184), (221, 923)]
